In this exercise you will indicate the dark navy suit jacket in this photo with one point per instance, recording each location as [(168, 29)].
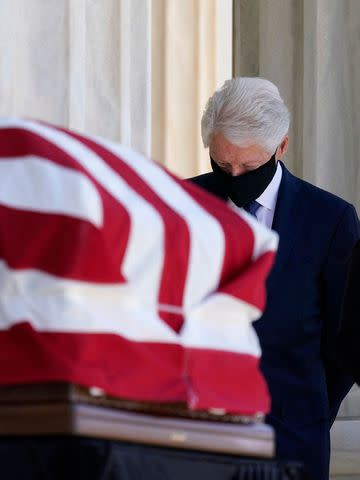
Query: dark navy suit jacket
[(298, 329)]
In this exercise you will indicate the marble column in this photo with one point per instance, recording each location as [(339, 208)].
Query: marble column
[(83, 64), (34, 59), (331, 76), (192, 55)]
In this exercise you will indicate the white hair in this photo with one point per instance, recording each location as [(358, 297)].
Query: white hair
[(246, 110)]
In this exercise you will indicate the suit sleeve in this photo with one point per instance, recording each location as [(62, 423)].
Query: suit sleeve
[(345, 235), (349, 333)]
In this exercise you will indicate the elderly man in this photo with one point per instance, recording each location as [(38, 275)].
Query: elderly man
[(245, 125)]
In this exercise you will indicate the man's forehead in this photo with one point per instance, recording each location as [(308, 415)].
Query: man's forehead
[(226, 151)]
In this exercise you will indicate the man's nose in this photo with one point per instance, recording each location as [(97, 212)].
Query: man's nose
[(237, 170)]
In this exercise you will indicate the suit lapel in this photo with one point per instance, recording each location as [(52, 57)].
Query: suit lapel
[(289, 216)]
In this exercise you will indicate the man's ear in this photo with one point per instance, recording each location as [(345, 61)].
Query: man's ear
[(282, 148)]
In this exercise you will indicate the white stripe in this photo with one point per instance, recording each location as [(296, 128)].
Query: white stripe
[(51, 304), (207, 241), (32, 183), (56, 305), (143, 262), (222, 322)]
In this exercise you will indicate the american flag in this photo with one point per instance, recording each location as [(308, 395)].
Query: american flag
[(116, 274)]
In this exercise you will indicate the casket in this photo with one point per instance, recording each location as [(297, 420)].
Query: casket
[(127, 298)]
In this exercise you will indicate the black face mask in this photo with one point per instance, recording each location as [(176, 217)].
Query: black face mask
[(247, 187)]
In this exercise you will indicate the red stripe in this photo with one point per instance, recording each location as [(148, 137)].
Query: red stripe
[(247, 286), (63, 246), (143, 371), (134, 370), (19, 142), (227, 380)]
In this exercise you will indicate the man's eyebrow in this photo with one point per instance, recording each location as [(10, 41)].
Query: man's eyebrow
[(250, 163), (223, 162)]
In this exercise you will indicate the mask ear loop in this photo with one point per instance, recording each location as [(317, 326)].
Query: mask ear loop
[(274, 154)]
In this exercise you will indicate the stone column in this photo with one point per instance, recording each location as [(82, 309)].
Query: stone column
[(81, 64), (192, 55), (332, 97), (34, 59), (110, 69)]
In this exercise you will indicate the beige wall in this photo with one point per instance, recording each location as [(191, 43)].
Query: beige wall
[(310, 49)]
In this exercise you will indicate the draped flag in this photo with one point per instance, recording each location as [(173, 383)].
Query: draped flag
[(116, 274)]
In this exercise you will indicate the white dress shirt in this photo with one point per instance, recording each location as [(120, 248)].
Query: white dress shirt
[(267, 200)]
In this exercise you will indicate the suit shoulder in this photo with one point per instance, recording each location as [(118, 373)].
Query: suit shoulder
[(320, 199), (202, 180)]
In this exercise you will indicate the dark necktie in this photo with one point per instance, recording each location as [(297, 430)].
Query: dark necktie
[(252, 207)]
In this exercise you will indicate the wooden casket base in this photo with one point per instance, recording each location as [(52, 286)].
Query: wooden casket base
[(66, 409)]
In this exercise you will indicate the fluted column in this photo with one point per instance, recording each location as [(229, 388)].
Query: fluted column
[(192, 55), (331, 74), (34, 59)]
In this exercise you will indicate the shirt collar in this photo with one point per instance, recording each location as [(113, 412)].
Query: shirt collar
[(269, 196)]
